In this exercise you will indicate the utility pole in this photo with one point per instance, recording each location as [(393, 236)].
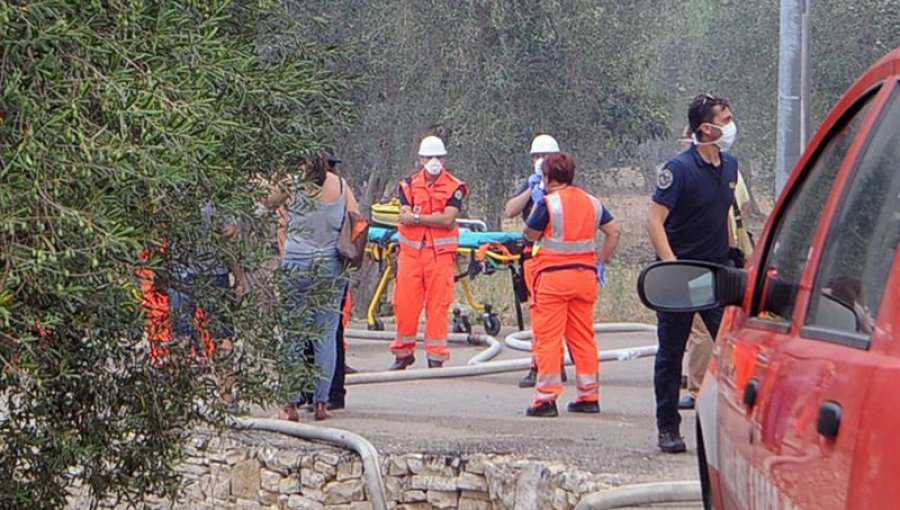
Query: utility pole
[(793, 87)]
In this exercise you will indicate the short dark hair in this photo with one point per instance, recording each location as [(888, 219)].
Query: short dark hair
[(703, 110), (559, 167)]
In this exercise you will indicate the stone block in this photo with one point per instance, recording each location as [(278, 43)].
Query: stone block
[(396, 466), (393, 488), (415, 464), (245, 481), (443, 499), (310, 478), (247, 504), (344, 492), (296, 502), (268, 499), (329, 458), (414, 496), (471, 482), (235, 456), (221, 488), (269, 480), (192, 470), (349, 470), (475, 465), (314, 494), (439, 483), (328, 470), (290, 484), (415, 506), (474, 504), (483, 496)]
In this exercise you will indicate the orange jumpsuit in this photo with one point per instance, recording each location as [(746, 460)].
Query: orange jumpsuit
[(564, 293), (425, 266)]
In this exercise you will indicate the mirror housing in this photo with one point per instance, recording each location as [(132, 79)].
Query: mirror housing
[(690, 286)]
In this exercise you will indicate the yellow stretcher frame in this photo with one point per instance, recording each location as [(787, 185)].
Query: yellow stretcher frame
[(385, 255)]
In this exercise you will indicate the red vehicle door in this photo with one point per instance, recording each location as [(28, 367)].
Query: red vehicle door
[(794, 370)]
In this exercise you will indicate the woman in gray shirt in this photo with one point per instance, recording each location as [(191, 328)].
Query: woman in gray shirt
[(315, 203)]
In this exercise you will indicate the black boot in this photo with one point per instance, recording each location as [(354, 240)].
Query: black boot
[(670, 441), (582, 406), (543, 410), (529, 380), (435, 363), (402, 363)]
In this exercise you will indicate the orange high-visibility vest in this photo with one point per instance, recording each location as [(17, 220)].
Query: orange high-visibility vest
[(425, 199), (569, 239)]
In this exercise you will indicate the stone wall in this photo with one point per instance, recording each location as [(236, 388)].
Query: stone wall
[(250, 471)]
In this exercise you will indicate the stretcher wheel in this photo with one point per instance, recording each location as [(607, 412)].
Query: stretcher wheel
[(378, 326), (491, 324), (461, 324)]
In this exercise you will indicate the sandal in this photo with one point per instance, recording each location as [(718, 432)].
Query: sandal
[(322, 412), (288, 413)]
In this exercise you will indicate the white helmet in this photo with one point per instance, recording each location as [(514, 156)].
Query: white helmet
[(432, 146), (544, 144)]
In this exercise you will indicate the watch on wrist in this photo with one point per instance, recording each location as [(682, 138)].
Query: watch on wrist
[(416, 217)]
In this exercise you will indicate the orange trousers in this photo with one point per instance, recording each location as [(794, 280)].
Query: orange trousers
[(424, 280), (563, 310)]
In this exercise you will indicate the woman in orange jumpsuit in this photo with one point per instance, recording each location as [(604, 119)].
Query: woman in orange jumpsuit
[(567, 268)]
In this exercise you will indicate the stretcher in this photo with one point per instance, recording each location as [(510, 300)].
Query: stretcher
[(482, 252)]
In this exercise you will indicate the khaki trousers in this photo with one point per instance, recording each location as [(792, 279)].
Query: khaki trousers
[(699, 349)]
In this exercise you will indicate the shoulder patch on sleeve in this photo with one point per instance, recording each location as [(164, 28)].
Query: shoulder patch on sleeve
[(664, 178), (458, 194)]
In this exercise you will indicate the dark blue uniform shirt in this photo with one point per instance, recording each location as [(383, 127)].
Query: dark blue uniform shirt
[(698, 196)]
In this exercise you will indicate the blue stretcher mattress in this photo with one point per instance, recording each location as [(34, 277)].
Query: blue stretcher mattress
[(467, 238)]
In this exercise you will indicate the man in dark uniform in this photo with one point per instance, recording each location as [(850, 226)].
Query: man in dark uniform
[(688, 219)]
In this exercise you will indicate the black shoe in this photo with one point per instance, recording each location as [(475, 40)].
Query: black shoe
[(402, 363), (529, 380), (543, 410), (671, 442), (583, 407), (435, 363), (686, 402)]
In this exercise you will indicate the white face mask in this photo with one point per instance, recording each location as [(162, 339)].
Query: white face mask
[(725, 140), (537, 165), (729, 132), (434, 166)]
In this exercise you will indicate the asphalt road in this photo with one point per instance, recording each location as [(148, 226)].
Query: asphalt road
[(485, 414)]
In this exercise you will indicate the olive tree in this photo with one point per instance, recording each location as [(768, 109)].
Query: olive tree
[(122, 123)]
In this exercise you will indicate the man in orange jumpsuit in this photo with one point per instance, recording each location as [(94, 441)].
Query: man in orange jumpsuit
[(567, 268), (430, 201)]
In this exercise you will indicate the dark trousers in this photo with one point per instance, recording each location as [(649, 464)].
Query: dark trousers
[(338, 392), (673, 330)]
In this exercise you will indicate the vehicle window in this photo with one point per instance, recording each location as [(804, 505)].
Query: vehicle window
[(863, 238), (790, 243)]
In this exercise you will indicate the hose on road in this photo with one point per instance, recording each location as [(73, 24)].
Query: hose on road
[(642, 494)]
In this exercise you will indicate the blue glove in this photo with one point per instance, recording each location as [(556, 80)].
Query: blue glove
[(601, 273), (536, 194), (534, 180)]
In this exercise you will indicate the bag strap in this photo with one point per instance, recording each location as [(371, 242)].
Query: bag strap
[(739, 220)]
